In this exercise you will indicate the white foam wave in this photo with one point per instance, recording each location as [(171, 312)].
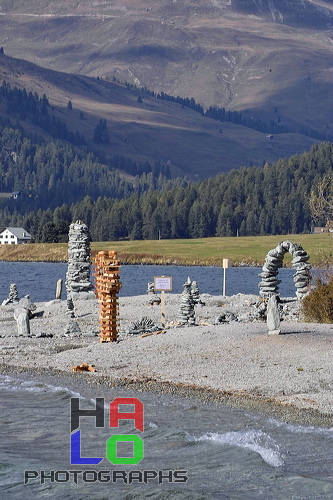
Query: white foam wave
[(254, 440), (14, 384), (301, 429)]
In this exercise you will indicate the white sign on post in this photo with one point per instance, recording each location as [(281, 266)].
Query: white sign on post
[(163, 284), (225, 266)]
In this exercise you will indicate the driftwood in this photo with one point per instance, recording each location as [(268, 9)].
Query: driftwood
[(83, 367), (152, 333)]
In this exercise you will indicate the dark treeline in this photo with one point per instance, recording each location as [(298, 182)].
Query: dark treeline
[(247, 201), (29, 106), (221, 114), (52, 173)]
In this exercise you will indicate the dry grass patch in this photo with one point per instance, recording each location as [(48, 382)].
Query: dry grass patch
[(318, 305), (244, 250)]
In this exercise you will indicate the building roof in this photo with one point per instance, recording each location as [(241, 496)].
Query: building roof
[(19, 232)]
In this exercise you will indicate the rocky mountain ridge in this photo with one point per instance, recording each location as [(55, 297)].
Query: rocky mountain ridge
[(260, 55)]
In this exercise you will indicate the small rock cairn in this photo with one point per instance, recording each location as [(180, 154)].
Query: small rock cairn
[(107, 286), (186, 314), (78, 284), (196, 293), (153, 298), (22, 315), (13, 297), (274, 259)]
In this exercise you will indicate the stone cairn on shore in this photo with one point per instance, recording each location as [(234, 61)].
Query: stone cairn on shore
[(13, 297), (22, 315), (153, 298), (107, 286), (196, 293), (186, 314), (78, 284), (269, 277)]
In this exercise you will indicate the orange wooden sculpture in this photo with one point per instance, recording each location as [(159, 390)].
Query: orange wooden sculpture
[(107, 286)]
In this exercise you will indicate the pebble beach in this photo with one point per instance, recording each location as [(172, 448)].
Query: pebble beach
[(237, 362)]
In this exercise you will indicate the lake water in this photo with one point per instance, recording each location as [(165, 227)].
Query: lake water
[(225, 453), (38, 279)]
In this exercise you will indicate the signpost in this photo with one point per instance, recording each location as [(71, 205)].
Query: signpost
[(225, 266), (163, 284)]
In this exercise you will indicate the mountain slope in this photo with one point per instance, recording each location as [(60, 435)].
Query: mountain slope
[(151, 130), (260, 55)]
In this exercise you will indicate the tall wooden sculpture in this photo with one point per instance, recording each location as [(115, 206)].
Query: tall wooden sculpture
[(107, 286)]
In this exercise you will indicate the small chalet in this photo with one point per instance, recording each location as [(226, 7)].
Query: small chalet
[(14, 236)]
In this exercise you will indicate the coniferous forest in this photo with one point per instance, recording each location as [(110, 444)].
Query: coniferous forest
[(60, 183), (61, 180)]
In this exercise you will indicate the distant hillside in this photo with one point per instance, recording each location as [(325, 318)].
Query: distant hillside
[(266, 56), (244, 202), (138, 125)]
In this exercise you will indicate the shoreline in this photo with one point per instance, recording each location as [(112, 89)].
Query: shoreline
[(268, 407), (287, 376), (167, 263)]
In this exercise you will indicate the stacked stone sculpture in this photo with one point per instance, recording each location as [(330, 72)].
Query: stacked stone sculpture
[(70, 310), (186, 314), (78, 284), (107, 286), (72, 328), (195, 292), (22, 315), (13, 297), (269, 277), (153, 298)]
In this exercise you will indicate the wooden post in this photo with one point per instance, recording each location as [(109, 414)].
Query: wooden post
[(225, 266), (163, 308), (163, 284), (107, 286)]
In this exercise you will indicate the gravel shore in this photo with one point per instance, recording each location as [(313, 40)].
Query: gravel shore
[(287, 375)]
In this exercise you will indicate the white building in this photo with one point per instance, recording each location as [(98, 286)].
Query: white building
[(14, 236)]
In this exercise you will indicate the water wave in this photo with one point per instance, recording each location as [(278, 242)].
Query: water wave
[(301, 429), (254, 440), (14, 384)]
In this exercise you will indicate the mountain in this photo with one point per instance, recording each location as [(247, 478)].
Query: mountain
[(140, 126), (266, 56)]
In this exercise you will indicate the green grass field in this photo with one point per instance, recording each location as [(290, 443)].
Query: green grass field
[(249, 250)]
